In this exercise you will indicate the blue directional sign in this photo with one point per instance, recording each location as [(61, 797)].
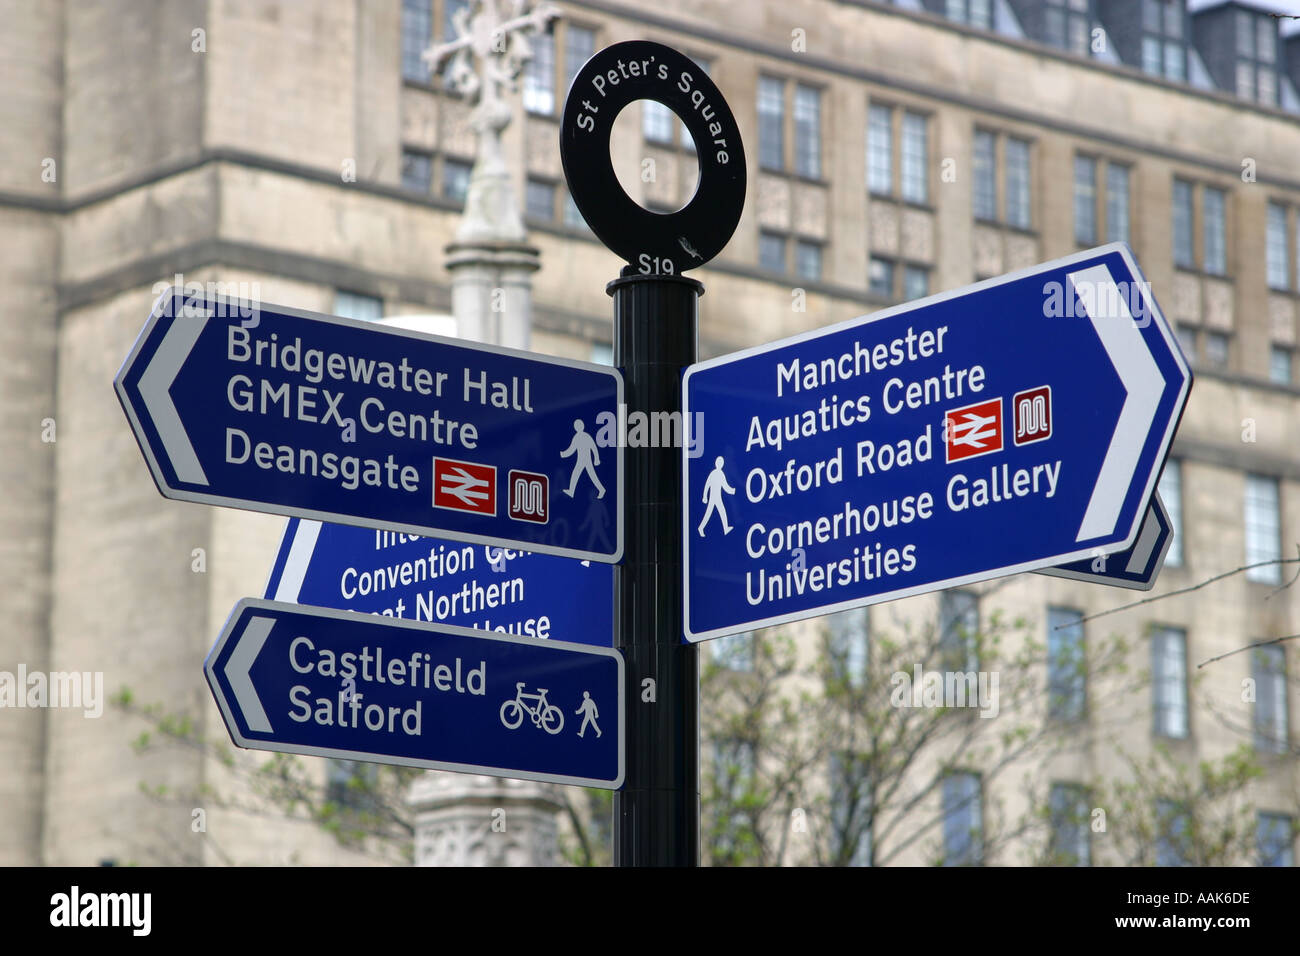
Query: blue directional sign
[(444, 582), (1015, 424), (365, 687), (1138, 567), (274, 409)]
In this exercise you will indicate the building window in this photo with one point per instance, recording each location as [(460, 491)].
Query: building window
[(850, 809), (1272, 727), (1171, 834), (977, 13), (880, 150), (350, 784), (1279, 364), (1214, 242), (916, 282), (1169, 681), (808, 260), (1276, 247), (771, 252), (449, 10), (1256, 57), (1216, 350), (1171, 493), (734, 652), (1017, 183), (539, 73), (1117, 203), (771, 123), (1070, 833), (656, 122), (1066, 24), (602, 354), (356, 305), (1164, 52), (1214, 235), (1263, 529), (880, 277), (455, 179), (963, 820), (1085, 200), (417, 171), (1067, 666), (959, 623), (579, 45), (914, 178), (850, 633), (985, 183), (1275, 837), (807, 131), (417, 36), (1187, 340), (572, 216), (539, 200), (1184, 254)]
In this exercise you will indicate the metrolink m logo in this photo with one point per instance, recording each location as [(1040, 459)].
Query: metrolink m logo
[(1032, 411), (529, 496)]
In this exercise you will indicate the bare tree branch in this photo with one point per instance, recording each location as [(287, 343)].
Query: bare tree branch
[(1275, 640), (1189, 589)]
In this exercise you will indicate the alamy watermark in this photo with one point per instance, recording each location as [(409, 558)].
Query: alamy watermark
[(640, 429), (232, 300), (130, 910), (84, 689), (923, 688), (1084, 299)]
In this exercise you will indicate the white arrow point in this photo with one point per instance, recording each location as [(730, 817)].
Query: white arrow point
[(1142, 381), (155, 389), (1146, 542), (248, 646), (295, 566)]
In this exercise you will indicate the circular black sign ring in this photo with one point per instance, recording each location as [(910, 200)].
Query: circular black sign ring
[(663, 243)]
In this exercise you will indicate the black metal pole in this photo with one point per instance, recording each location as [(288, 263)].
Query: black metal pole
[(657, 813)]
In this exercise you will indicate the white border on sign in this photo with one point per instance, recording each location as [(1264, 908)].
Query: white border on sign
[(1162, 326), (227, 632), (155, 315)]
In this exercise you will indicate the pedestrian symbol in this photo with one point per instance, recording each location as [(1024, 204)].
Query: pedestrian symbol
[(584, 446), (589, 714), (714, 486)]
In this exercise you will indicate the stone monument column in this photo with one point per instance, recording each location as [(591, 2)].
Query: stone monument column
[(469, 819), (491, 261)]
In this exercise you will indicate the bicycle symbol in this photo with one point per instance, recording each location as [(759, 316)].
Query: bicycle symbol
[(544, 714)]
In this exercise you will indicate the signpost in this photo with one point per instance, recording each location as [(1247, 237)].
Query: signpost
[(365, 687), (1016, 424), (444, 582), (1136, 568), (302, 414), (657, 813)]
